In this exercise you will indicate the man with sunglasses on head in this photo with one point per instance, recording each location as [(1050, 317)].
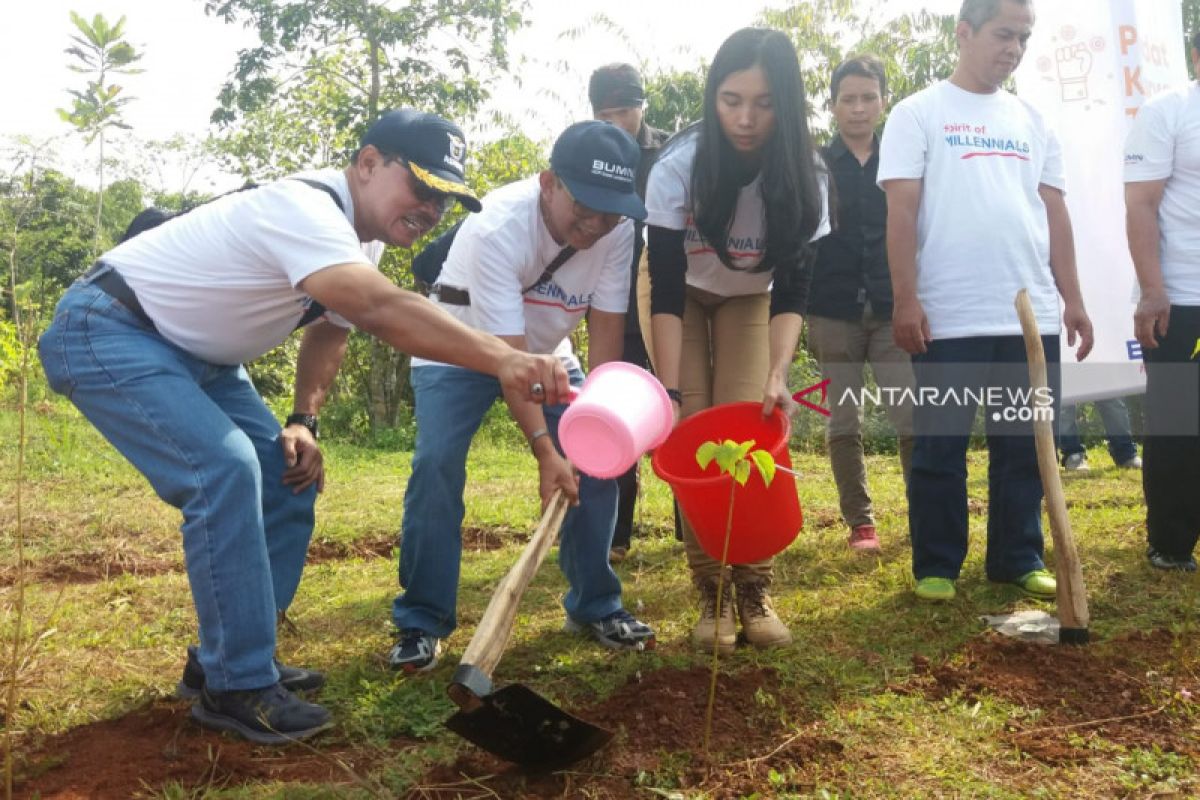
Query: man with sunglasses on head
[(149, 345), (546, 253)]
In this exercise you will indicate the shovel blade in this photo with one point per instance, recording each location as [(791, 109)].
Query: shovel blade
[(519, 725)]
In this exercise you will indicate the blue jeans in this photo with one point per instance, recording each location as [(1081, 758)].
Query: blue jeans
[(1117, 430), (450, 405), (209, 446), (937, 488)]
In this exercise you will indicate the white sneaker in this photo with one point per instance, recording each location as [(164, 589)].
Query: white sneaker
[(1076, 462), (1132, 463)]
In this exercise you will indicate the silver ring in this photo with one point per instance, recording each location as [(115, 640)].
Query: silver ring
[(536, 389)]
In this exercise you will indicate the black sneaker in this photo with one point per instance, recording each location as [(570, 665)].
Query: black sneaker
[(415, 651), (620, 630), (265, 716), (1160, 560), (294, 679)]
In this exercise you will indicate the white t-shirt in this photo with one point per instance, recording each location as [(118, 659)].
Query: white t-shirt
[(220, 281), (669, 205), (982, 231), (1165, 143), (506, 247)]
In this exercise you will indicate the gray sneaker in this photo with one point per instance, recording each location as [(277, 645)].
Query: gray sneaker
[(620, 630), (265, 716), (1160, 560), (1076, 462), (415, 651)]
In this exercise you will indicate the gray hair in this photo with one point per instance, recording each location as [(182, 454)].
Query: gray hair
[(978, 13)]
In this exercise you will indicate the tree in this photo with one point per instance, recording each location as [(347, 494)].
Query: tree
[(675, 98), (336, 64), (100, 52), (916, 49)]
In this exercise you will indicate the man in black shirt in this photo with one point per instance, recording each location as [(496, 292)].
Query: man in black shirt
[(850, 300), (617, 97)]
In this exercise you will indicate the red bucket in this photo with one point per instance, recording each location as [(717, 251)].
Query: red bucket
[(766, 519)]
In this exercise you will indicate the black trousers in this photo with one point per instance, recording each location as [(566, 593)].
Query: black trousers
[(1171, 469)]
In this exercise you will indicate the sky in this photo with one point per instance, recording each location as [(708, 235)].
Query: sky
[(188, 55)]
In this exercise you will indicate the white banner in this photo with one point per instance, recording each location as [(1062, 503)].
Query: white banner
[(1089, 66)]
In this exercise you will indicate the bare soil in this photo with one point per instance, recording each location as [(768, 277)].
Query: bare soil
[(84, 568), (1133, 691)]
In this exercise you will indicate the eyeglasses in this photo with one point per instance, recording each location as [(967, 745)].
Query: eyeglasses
[(420, 191), (585, 214)]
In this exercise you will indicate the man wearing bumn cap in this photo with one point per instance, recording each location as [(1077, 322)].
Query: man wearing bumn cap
[(149, 345), (546, 253)]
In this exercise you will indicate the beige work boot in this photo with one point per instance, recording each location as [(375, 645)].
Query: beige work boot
[(709, 627), (760, 623)]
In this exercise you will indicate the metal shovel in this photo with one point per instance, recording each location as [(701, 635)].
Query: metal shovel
[(514, 722)]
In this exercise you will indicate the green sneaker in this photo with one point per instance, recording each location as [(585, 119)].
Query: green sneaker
[(1039, 584), (937, 590)]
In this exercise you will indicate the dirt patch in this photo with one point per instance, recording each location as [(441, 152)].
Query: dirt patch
[(377, 546), (159, 745), (658, 720), (1101, 690), (84, 568), (80, 568)]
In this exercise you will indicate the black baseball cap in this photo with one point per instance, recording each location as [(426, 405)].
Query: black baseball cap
[(616, 86), (598, 163), (433, 147)]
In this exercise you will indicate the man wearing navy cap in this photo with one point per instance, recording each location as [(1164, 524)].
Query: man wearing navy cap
[(149, 344), (546, 253)]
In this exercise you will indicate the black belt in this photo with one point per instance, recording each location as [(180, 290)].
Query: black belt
[(451, 295), (113, 285)]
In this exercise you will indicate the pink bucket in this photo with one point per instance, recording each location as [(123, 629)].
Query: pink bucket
[(621, 412)]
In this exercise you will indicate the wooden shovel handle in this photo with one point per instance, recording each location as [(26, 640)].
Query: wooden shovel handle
[(495, 628), (1072, 595)]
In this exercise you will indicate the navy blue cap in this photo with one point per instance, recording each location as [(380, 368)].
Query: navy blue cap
[(598, 163), (433, 146)]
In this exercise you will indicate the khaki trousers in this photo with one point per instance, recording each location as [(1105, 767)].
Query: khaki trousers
[(843, 348), (724, 359)]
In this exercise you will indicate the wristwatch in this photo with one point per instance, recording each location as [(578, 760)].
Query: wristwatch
[(307, 420)]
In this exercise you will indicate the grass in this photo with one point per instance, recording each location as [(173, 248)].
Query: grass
[(118, 643)]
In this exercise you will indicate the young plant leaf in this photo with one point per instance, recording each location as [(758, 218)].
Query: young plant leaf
[(705, 453), (765, 464), (741, 472)]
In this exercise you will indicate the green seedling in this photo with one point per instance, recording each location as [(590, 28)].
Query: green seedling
[(737, 460)]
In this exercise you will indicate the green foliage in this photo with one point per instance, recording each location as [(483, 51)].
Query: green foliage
[(1153, 769), (916, 49), (337, 65), (99, 51), (735, 459), (675, 98)]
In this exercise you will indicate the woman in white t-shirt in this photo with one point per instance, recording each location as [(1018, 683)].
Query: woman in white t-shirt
[(733, 202)]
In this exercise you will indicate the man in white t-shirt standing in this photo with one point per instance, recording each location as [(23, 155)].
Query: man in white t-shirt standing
[(546, 252), (1162, 201), (974, 181), (149, 345)]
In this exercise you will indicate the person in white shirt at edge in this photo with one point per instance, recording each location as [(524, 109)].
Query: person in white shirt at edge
[(1162, 202), (976, 212), (577, 217), (149, 343), (733, 202)]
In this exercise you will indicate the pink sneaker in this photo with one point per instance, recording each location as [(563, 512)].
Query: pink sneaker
[(864, 538)]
